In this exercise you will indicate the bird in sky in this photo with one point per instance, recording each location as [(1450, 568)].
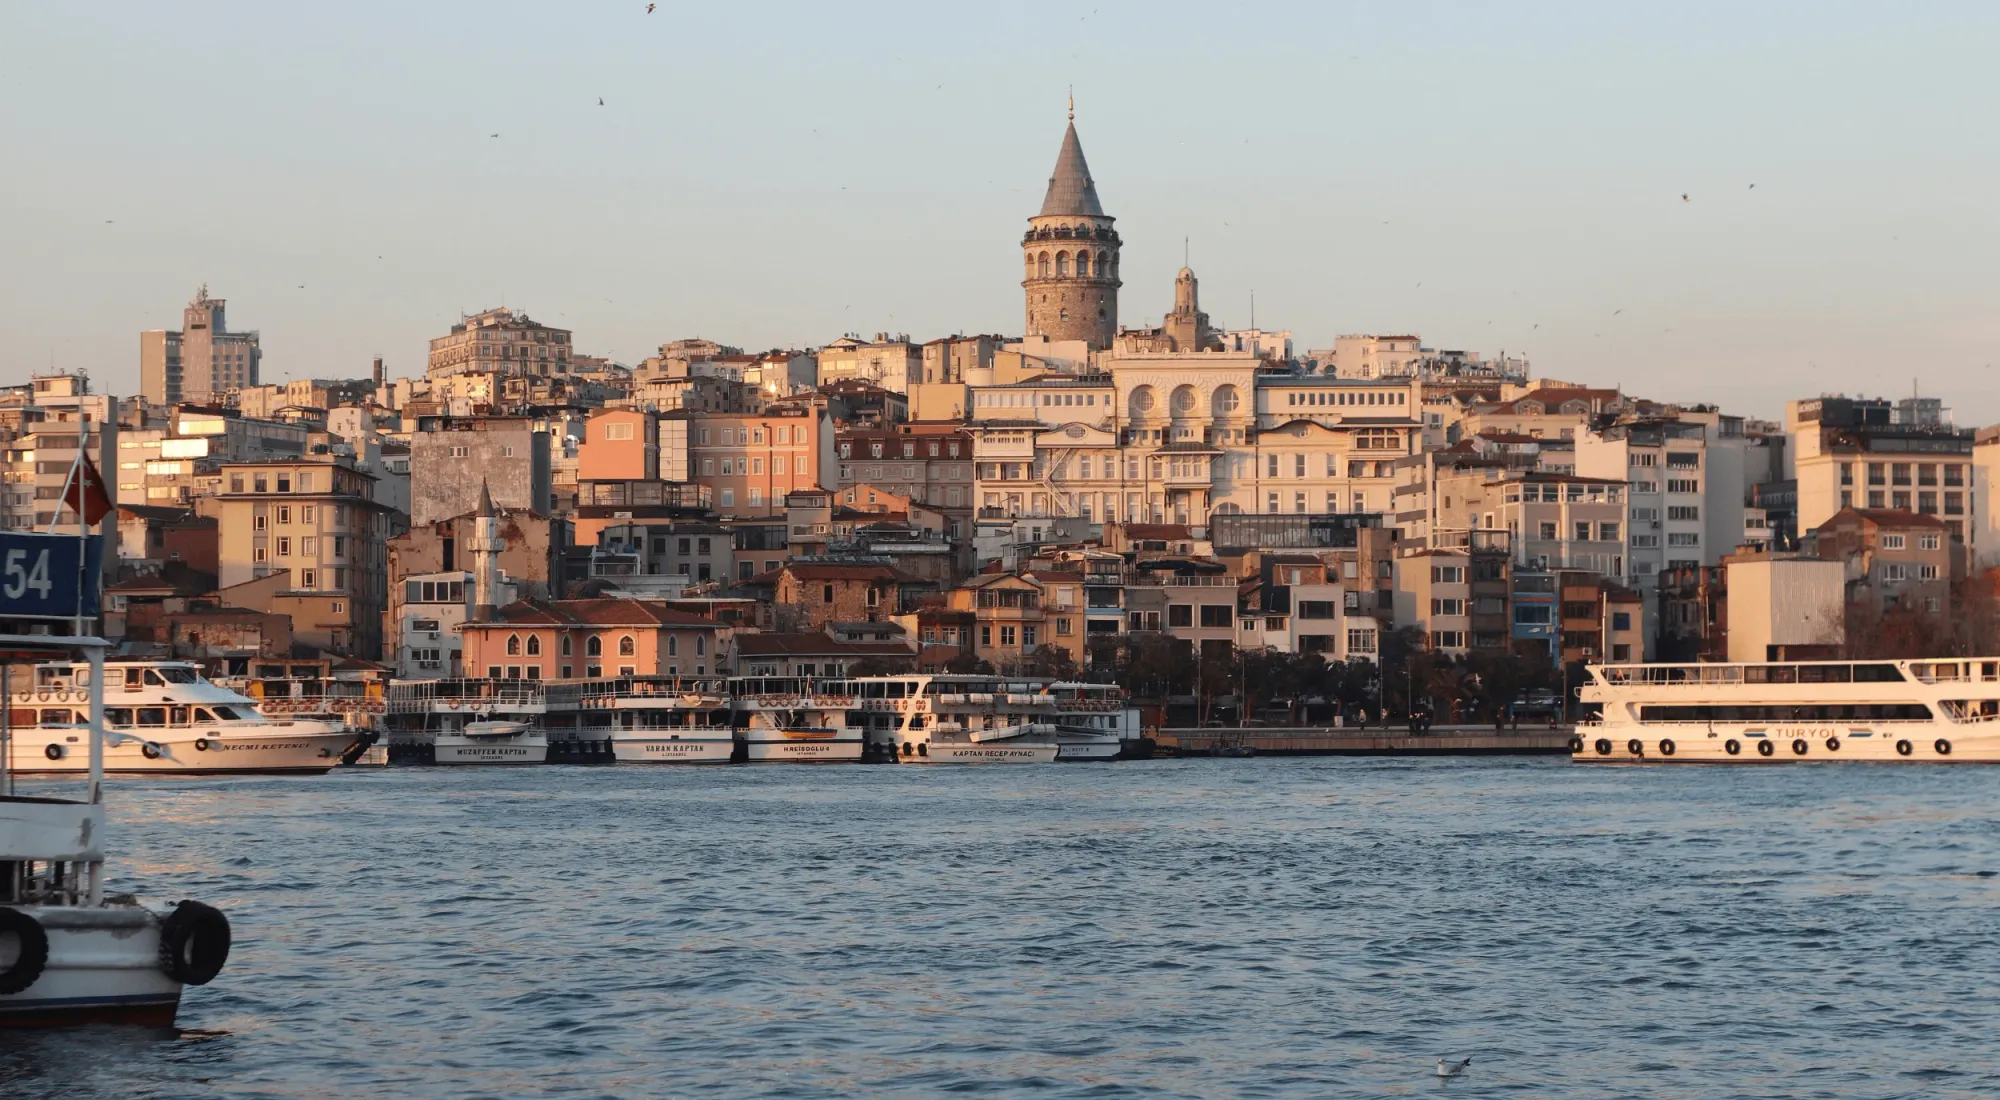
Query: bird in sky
[(1616, 312), (492, 135), (1450, 1069), (1753, 187), (600, 101), (108, 221), (1684, 198), (650, 7)]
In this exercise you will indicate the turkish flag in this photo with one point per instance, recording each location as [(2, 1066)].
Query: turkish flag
[(86, 494)]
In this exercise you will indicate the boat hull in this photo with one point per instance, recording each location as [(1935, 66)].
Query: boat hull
[(309, 752), (986, 753), (1088, 751), (630, 749), (830, 750), (1919, 743), (103, 968), (519, 749)]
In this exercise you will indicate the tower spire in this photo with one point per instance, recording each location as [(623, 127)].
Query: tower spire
[(1072, 103)]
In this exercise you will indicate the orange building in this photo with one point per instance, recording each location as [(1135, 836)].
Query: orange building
[(572, 639), (749, 463), (619, 445)]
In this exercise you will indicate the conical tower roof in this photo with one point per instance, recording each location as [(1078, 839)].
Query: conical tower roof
[(1071, 190), (486, 510)]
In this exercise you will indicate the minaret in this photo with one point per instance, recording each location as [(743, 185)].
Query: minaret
[(1071, 255), (486, 545)]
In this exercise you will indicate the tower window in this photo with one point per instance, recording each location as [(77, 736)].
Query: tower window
[(1062, 264), (1043, 269)]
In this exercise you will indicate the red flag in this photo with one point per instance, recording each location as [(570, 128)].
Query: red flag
[(85, 494)]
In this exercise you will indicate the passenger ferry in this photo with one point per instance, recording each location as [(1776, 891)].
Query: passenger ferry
[(1928, 711), (161, 718), (660, 719), (796, 720), (959, 719)]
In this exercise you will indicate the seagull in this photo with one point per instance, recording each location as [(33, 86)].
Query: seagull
[(650, 7), (1684, 198), (600, 101), (1447, 1069), (492, 135), (1616, 312)]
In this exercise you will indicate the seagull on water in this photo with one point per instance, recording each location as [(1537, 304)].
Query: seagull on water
[(1451, 1069)]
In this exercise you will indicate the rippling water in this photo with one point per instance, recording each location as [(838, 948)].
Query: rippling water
[(1176, 928)]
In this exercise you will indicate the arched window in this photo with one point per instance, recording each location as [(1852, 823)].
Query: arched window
[(1184, 400), (565, 647), (594, 647), (627, 647), (513, 645), (1043, 270), (534, 645), (1141, 402), (1226, 400), (1100, 265), (1083, 263), (673, 645), (1062, 263)]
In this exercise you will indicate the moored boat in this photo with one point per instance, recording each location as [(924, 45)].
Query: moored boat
[(1910, 711), (161, 718), (795, 720)]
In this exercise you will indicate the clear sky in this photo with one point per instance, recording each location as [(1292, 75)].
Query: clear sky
[(1490, 176)]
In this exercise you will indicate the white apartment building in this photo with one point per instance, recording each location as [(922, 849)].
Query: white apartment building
[(1687, 490), (1173, 437)]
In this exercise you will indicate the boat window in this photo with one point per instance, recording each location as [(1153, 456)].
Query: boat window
[(133, 677), (228, 714), (56, 716), (1789, 712), (201, 714), (152, 716), (20, 717), (178, 675), (1877, 674), (1824, 674), (117, 716), (1784, 674), (180, 716)]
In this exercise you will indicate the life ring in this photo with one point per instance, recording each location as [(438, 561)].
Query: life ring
[(1943, 747), (44, 697), (1904, 748), (201, 744), (150, 750), (1798, 746), (1636, 747), (1575, 745), (34, 954), (454, 704), (1666, 746), (1833, 744), (1764, 747), (1603, 746), (1732, 746), (53, 752), (194, 943)]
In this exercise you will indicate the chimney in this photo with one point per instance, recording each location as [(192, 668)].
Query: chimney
[(378, 372)]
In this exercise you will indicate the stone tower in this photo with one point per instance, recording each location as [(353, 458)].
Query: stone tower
[(1187, 326), (1071, 253)]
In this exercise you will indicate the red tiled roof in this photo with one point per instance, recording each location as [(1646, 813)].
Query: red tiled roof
[(593, 612), (1885, 517), (814, 645)]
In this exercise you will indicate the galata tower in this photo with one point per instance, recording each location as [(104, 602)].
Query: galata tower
[(1071, 253)]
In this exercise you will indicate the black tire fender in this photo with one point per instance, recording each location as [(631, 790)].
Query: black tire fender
[(1764, 746), (194, 943), (1666, 746), (1943, 747), (1833, 744), (150, 750), (34, 954), (201, 744), (55, 752), (1575, 745), (1636, 747), (1732, 746), (1799, 746), (1603, 746), (1904, 748)]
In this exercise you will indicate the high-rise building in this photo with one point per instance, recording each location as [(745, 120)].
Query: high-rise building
[(201, 359), (1071, 256), (501, 341)]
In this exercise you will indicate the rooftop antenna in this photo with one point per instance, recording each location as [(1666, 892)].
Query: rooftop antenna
[(1253, 310)]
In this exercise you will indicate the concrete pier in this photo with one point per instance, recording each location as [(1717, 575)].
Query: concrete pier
[(1316, 741)]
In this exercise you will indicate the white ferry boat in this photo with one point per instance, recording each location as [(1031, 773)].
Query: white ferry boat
[(76, 955), (1929, 711), (474, 721), (953, 719), (663, 719), (795, 720), (161, 718)]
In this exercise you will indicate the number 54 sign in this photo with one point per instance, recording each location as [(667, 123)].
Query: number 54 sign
[(49, 576)]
